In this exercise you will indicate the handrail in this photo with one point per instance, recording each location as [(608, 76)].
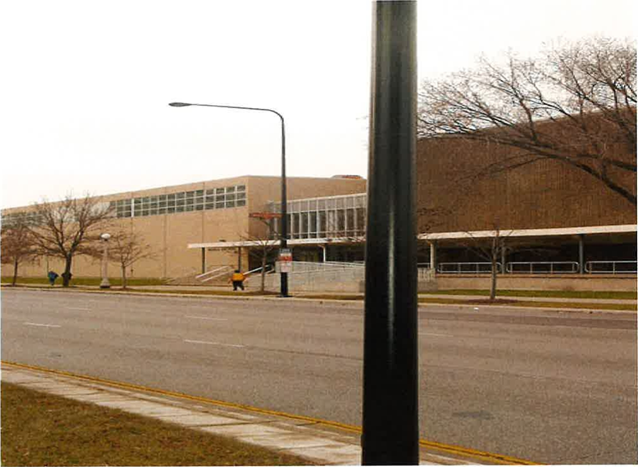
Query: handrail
[(224, 270), (590, 266), (252, 271), (212, 271), (476, 270), (547, 267)]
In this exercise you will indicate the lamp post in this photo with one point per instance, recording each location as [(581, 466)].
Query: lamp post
[(284, 205), (390, 357), (105, 284)]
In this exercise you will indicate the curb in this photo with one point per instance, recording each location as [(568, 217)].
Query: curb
[(358, 303), (328, 442)]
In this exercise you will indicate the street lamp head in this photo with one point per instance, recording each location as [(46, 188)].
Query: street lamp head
[(179, 104), (105, 236)]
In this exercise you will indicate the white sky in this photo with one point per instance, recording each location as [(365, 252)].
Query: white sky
[(86, 84)]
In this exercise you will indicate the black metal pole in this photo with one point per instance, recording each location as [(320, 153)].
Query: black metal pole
[(390, 367), (284, 199), (284, 206)]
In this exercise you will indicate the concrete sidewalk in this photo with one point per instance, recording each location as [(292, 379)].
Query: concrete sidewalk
[(353, 297), (321, 443)]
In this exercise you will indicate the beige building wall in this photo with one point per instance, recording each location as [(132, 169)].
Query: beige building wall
[(169, 234)]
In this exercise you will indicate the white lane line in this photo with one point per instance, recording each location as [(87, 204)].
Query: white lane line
[(74, 308), (43, 325), (206, 317), (212, 343), (433, 334)]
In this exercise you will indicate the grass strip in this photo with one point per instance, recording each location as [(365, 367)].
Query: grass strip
[(539, 293), (422, 299), (43, 429), (530, 304), (87, 281)]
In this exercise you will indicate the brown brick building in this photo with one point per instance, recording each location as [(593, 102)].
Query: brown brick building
[(552, 215)]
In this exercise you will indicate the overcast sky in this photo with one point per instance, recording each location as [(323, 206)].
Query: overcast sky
[(86, 84)]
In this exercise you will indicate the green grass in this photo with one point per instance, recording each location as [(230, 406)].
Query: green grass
[(42, 429), (90, 281), (532, 304), (538, 293)]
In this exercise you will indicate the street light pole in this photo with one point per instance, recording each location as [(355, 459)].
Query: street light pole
[(105, 284), (390, 357), (284, 198)]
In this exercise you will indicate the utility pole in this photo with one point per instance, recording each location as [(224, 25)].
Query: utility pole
[(390, 367)]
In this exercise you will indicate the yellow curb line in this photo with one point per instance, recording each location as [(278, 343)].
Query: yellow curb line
[(451, 449)]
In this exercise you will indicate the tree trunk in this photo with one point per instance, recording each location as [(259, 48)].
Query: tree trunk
[(493, 284), (124, 277), (15, 272), (263, 273), (66, 275)]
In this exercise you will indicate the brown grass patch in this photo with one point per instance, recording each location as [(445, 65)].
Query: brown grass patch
[(42, 429)]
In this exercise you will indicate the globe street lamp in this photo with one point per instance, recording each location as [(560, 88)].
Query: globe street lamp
[(284, 205), (105, 284)]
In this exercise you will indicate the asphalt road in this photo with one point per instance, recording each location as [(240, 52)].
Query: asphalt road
[(544, 386)]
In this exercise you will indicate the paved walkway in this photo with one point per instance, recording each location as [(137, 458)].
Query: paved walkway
[(327, 445), (318, 295)]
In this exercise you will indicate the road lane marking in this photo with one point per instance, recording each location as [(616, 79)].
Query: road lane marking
[(492, 458), (43, 325), (434, 334), (75, 308), (206, 317), (212, 343)]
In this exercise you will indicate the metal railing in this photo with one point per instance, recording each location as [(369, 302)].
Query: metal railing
[(611, 267), (468, 268), (214, 273), (269, 269), (543, 267), (425, 274)]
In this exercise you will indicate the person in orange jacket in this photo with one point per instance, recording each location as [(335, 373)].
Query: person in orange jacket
[(238, 280)]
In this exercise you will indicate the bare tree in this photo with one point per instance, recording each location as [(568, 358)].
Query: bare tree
[(491, 250), (126, 248), (576, 104), (17, 245), (70, 227), (264, 243)]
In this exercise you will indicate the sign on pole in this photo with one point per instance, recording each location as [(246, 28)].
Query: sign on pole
[(285, 260)]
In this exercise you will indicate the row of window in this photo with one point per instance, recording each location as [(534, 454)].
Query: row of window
[(197, 200), (323, 224), (30, 218), (324, 204)]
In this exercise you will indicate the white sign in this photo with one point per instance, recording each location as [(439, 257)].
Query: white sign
[(285, 260)]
